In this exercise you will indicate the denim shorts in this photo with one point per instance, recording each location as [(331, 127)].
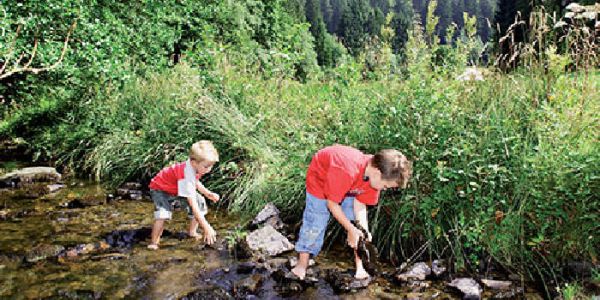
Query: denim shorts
[(314, 223), (163, 204)]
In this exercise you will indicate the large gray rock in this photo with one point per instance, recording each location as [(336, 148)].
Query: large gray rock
[(469, 288), (29, 175), (269, 241), (419, 271)]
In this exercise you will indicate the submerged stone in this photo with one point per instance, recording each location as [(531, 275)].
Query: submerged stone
[(248, 285), (43, 251), (209, 292)]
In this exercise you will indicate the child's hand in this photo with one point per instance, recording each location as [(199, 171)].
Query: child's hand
[(210, 235), (353, 235), (214, 197), (369, 236)]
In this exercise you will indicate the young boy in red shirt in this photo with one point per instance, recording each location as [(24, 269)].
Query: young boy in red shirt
[(179, 182), (341, 181)]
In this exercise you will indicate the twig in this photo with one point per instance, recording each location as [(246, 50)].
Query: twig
[(26, 67)]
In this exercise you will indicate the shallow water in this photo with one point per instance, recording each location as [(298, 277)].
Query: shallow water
[(181, 267)]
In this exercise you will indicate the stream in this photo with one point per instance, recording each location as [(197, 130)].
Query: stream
[(79, 243)]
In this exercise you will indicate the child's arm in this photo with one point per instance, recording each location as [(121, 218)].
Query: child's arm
[(214, 197), (338, 214), (209, 233), (360, 213)]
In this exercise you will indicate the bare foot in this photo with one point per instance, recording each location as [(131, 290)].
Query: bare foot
[(361, 274), (300, 272), (153, 247), (195, 236)]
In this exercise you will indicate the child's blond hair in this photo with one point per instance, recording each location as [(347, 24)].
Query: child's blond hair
[(204, 151), (393, 165)]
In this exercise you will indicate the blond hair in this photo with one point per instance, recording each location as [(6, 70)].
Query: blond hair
[(204, 151), (393, 165)]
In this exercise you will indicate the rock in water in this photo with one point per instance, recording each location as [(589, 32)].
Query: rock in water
[(344, 281), (438, 268), (268, 215), (469, 288), (43, 251), (270, 210), (496, 284), (269, 241), (419, 271), (28, 176)]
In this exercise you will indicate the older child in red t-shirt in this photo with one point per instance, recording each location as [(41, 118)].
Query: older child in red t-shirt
[(342, 181)]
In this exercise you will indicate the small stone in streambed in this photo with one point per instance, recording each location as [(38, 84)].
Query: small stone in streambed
[(496, 284), (509, 294), (344, 281), (248, 285), (208, 292), (438, 267), (418, 271), (468, 287), (110, 256), (246, 267), (43, 251)]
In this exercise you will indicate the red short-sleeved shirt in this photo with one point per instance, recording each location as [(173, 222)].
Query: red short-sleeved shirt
[(177, 180), (336, 172)]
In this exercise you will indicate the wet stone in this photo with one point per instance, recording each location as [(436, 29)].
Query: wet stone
[(209, 292), (248, 285), (110, 256), (43, 251), (29, 175), (79, 294), (468, 287), (418, 271), (496, 284), (510, 294), (418, 286), (127, 238), (270, 210), (343, 282), (86, 201), (130, 191), (438, 268), (246, 267)]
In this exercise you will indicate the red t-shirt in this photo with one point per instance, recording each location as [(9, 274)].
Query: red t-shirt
[(336, 172), (177, 180)]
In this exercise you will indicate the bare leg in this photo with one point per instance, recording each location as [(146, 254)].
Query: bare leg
[(300, 268), (157, 230), (193, 231), (361, 273)]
